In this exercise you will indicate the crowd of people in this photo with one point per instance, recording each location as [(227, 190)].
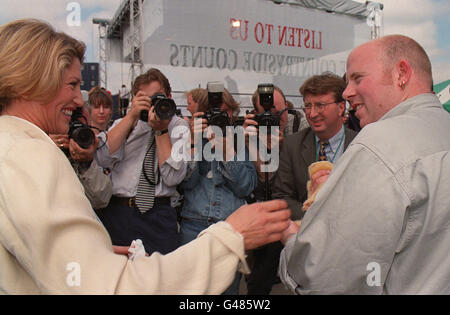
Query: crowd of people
[(385, 201)]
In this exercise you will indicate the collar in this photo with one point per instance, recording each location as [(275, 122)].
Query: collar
[(333, 141), (418, 101)]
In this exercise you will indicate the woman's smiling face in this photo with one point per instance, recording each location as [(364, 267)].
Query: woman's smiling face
[(57, 113)]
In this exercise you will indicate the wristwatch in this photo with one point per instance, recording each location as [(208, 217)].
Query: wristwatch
[(161, 132)]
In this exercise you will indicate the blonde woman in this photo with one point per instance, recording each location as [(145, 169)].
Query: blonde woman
[(50, 239)]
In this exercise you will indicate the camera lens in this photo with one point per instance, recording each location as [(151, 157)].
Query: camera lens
[(165, 108), (83, 136)]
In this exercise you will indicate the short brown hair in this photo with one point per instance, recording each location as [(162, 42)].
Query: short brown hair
[(324, 83), (33, 59), (151, 75), (99, 96)]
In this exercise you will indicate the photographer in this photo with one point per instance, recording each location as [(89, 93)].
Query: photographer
[(274, 114), (214, 189), (196, 98), (97, 185), (143, 173), (264, 260)]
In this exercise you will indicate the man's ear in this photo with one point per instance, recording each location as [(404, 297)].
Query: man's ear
[(341, 108), (404, 72)]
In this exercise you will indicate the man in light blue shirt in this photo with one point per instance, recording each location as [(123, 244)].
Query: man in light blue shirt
[(326, 138), (335, 148)]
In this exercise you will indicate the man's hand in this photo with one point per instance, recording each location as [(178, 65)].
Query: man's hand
[(155, 122), (139, 103), (197, 124), (318, 179), (261, 223), (79, 154)]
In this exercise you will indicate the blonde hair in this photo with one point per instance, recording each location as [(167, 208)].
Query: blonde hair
[(33, 59), (200, 96), (227, 98), (230, 101)]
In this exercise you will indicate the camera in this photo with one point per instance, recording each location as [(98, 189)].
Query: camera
[(267, 118), (215, 116), (239, 121), (165, 107), (81, 133)]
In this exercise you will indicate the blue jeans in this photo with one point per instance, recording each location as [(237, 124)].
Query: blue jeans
[(189, 230)]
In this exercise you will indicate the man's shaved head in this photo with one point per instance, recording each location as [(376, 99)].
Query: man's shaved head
[(398, 47)]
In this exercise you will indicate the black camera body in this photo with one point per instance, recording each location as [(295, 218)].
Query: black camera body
[(215, 116), (239, 121), (81, 133), (267, 118), (165, 107)]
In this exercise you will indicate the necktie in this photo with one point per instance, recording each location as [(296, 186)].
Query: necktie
[(322, 155), (145, 196)]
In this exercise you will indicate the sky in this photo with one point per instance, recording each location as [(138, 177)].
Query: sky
[(427, 21)]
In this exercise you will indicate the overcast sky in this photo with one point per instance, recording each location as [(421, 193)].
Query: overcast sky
[(427, 21)]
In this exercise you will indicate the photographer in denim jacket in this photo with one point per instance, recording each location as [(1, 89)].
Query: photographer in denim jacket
[(214, 189)]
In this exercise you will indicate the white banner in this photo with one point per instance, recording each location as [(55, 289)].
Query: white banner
[(244, 43)]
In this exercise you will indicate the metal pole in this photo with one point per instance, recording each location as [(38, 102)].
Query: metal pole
[(103, 58)]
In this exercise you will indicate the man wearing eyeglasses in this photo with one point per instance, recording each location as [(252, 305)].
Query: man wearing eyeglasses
[(325, 139)]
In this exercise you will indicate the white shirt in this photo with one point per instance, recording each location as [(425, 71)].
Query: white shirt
[(126, 163), (52, 243)]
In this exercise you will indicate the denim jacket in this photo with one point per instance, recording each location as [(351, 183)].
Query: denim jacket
[(214, 190)]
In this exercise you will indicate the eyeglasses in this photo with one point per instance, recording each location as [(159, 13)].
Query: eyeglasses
[(320, 107)]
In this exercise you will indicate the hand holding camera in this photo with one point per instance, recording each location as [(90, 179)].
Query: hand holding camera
[(82, 155), (215, 116), (79, 130), (197, 125), (164, 107), (155, 121), (140, 106), (267, 118)]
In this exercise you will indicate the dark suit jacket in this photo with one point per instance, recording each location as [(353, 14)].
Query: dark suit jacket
[(296, 155)]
